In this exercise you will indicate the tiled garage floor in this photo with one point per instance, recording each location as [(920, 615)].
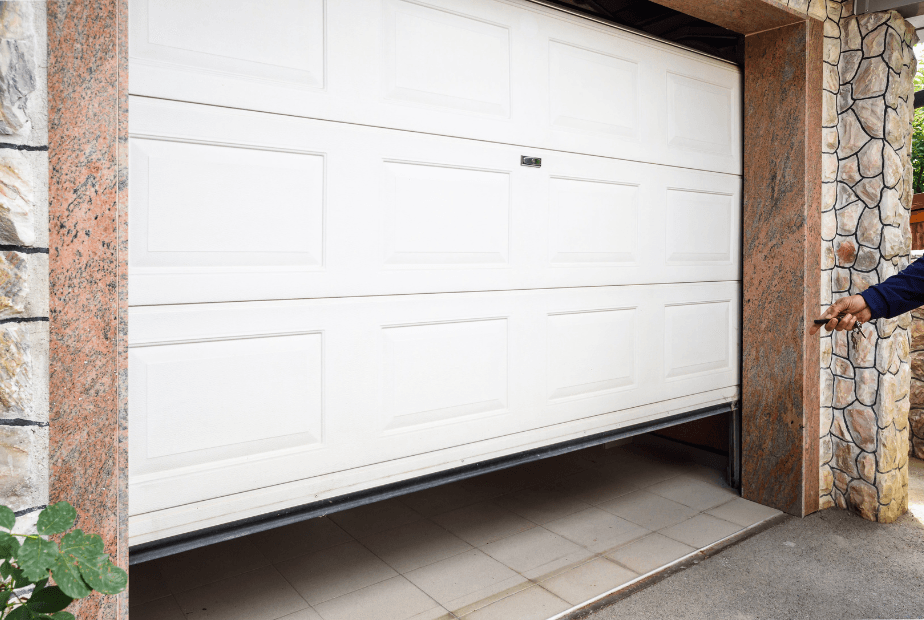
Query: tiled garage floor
[(523, 544)]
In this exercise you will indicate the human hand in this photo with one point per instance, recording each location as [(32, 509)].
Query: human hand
[(853, 308)]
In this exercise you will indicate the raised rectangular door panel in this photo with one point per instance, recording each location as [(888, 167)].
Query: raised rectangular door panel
[(360, 381), (232, 205), (506, 71)]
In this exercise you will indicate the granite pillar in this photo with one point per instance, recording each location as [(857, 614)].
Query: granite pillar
[(87, 136), (781, 221)]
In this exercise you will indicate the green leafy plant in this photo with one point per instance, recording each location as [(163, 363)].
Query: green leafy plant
[(77, 565), (917, 139)]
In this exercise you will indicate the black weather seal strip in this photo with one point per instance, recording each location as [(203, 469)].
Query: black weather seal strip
[(228, 531), (23, 147)]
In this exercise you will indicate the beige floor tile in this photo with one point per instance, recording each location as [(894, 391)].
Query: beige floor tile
[(191, 569), (262, 594), (440, 499), (596, 529), (146, 584), (701, 531), (289, 541), (586, 581), (329, 573), (555, 468), (376, 517), (642, 472), (650, 553), (414, 545), (536, 552), (542, 504), (693, 492), (498, 483), (651, 511), (162, 609), (305, 614), (393, 599), (482, 523), (465, 579), (743, 512), (595, 486), (708, 474), (531, 604)]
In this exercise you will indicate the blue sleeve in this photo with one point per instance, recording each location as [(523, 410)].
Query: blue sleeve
[(896, 295)]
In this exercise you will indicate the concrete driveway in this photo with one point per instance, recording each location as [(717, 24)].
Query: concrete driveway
[(829, 565)]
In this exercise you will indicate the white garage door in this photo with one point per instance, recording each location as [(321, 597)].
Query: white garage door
[(341, 276)]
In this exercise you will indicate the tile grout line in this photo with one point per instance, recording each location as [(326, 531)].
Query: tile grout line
[(717, 544)]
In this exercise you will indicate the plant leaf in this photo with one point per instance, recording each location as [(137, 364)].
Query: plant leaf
[(36, 556), (19, 579), (20, 613), (56, 518), (68, 578), (97, 571), (63, 615), (80, 546), (7, 518), (49, 600), (102, 575), (9, 547), (5, 597)]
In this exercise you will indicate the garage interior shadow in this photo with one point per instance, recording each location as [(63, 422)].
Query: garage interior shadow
[(532, 541)]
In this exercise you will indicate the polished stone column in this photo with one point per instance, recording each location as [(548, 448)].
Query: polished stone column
[(782, 185), (87, 137)]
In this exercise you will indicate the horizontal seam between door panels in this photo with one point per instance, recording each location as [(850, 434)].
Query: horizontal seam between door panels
[(502, 290), (426, 133), (469, 443)]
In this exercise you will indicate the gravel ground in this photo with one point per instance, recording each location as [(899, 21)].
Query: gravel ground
[(831, 564)]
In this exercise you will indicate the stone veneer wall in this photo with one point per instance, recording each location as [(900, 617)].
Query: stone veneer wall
[(866, 202), (916, 415), (23, 258)]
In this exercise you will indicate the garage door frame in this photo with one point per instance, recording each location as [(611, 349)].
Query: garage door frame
[(88, 273)]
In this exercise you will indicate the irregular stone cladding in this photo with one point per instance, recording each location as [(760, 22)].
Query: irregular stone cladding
[(916, 415), (865, 229), (23, 258)]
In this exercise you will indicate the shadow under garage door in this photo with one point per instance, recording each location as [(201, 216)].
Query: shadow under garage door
[(341, 276)]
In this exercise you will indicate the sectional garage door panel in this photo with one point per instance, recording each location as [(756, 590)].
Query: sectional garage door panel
[(231, 205), (234, 397), (507, 72), (340, 274)]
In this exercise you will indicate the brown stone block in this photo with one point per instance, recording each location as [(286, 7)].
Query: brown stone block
[(17, 199), (889, 486), (863, 499), (843, 392), (866, 465), (825, 480), (15, 371), (14, 283), (889, 513), (23, 463), (861, 421), (845, 456), (917, 447), (867, 382), (887, 453)]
